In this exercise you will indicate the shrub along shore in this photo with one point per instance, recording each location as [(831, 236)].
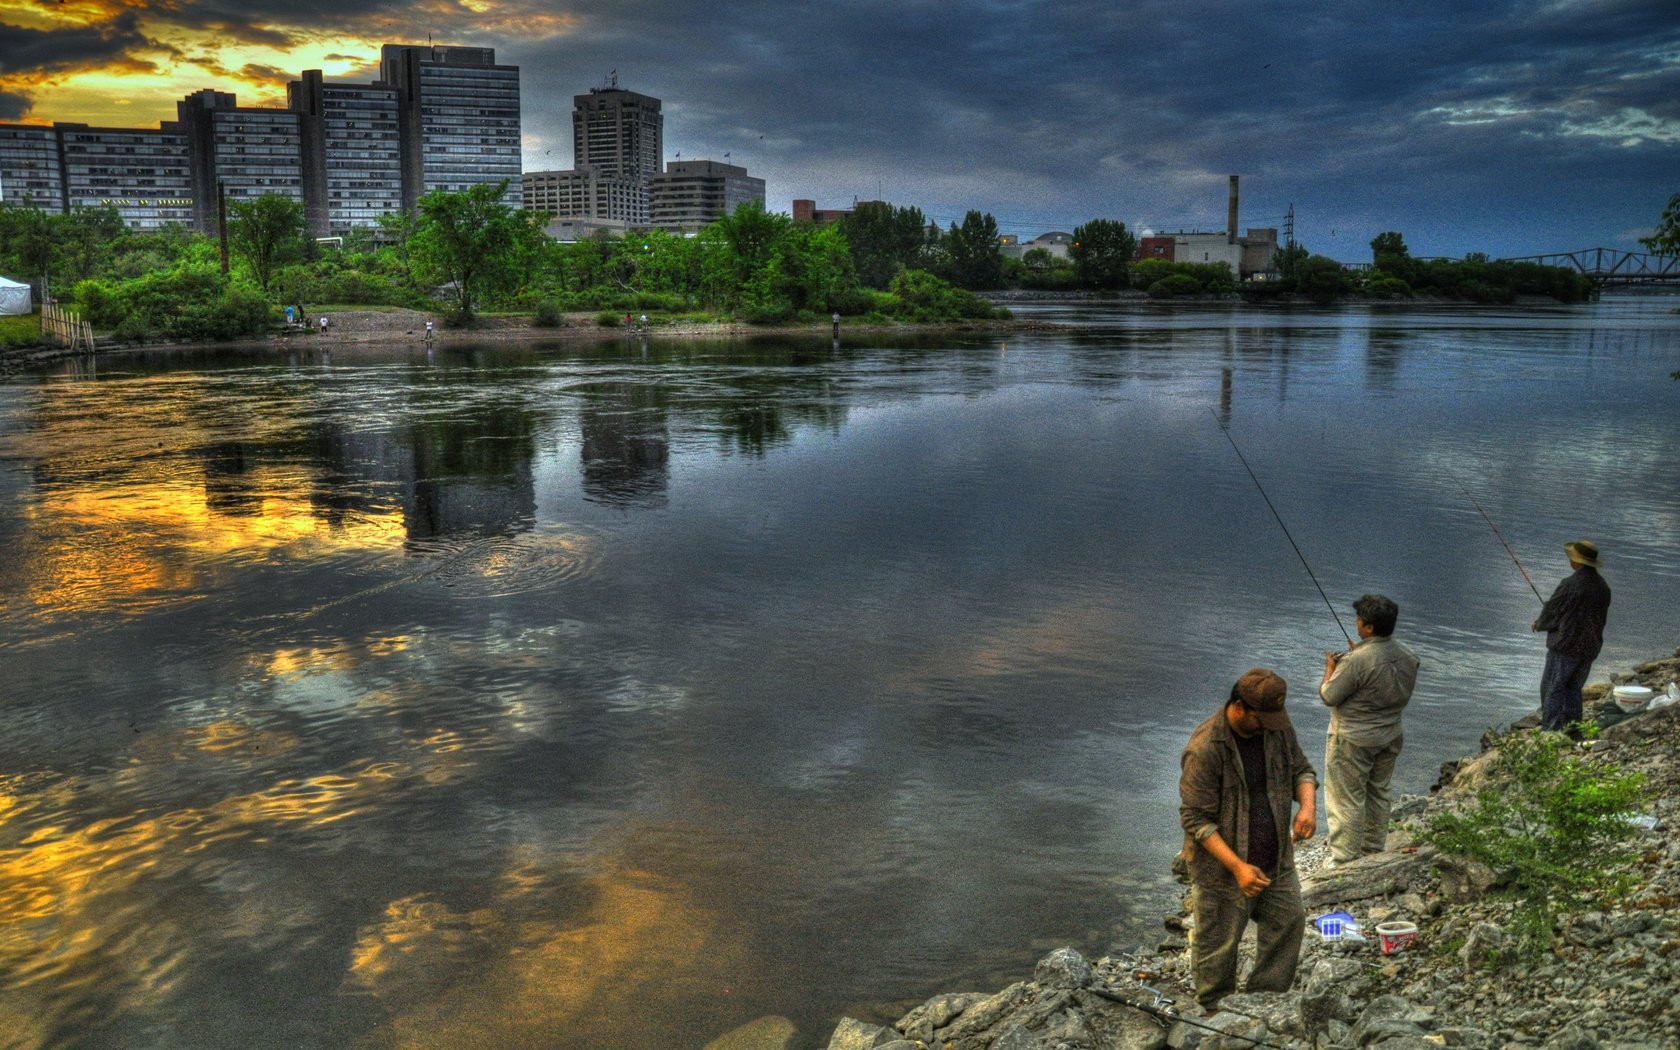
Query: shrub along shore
[(1600, 969)]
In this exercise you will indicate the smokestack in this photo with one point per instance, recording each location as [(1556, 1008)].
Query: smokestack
[(1231, 215)]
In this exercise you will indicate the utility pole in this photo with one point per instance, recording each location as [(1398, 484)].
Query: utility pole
[(221, 222)]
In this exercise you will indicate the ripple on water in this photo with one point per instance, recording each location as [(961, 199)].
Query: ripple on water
[(498, 566)]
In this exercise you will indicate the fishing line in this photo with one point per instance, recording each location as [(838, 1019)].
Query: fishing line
[(1497, 533), (1227, 432)]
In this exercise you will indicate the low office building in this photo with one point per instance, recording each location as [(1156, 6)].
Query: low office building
[(587, 194), (694, 193)]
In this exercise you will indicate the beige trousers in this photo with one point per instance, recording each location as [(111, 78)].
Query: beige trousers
[(1357, 796)]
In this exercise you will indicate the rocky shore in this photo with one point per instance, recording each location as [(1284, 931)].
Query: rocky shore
[(1611, 980)]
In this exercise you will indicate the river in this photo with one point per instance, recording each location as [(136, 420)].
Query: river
[(616, 695)]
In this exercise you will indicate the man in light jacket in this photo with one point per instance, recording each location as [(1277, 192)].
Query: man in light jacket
[(1366, 689)]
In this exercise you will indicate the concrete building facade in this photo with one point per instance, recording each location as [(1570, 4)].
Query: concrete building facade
[(31, 169), (690, 194), (458, 116), (352, 153), (587, 194), (618, 132), (142, 173), (244, 152)]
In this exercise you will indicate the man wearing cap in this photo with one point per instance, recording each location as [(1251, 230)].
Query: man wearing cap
[(1243, 774), (1365, 688), (1573, 619)]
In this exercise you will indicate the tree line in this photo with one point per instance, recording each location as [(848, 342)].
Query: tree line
[(465, 253)]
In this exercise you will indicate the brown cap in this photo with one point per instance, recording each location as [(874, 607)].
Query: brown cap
[(1583, 551), (1262, 692)]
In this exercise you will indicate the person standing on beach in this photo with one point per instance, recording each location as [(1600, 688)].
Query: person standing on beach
[(1243, 773), (1573, 619), (1366, 689)]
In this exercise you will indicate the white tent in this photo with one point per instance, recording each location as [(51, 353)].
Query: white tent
[(14, 298)]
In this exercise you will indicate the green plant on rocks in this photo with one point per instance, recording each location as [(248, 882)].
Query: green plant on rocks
[(1553, 823)]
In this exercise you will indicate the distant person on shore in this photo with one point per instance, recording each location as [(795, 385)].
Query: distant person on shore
[(1243, 775), (323, 324), (1573, 619), (1366, 689)]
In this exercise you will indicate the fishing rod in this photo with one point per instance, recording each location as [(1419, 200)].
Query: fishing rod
[(1497, 533), (1227, 432), (1166, 1014)]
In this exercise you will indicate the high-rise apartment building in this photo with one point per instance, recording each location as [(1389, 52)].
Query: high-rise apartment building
[(618, 132), (30, 167), (352, 152), (458, 114), (692, 193), (243, 152), (140, 172), (587, 194)]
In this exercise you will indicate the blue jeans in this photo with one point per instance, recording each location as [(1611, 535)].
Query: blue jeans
[(1560, 690)]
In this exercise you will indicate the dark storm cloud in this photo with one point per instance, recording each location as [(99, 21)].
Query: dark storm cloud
[(1507, 126), (1366, 116), (12, 105), (45, 51)]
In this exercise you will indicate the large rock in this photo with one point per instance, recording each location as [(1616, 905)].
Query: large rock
[(1390, 1017), (1644, 726), (984, 1014), (1378, 875), (852, 1034), (1063, 969), (936, 1013), (1464, 880), (1486, 948)]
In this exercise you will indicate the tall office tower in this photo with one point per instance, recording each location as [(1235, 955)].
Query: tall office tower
[(585, 195), (141, 172), (30, 167), (458, 113), (352, 153), (618, 132), (692, 193), (245, 153)]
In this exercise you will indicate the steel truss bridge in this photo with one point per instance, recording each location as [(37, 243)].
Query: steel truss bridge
[(1610, 266)]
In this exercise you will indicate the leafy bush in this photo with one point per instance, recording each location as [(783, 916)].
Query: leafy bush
[(609, 319), (1386, 287), (1174, 285), (1551, 819), (923, 297), (549, 315)]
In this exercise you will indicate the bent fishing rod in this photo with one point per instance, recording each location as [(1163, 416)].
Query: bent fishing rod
[(1227, 432), (1497, 533)]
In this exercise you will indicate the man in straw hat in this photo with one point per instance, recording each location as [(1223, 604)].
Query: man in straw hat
[(1243, 775), (1573, 619)]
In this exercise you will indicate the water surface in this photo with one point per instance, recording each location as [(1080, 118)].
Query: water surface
[(618, 695)]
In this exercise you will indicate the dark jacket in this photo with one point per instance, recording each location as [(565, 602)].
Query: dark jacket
[(1213, 793), (1574, 616)]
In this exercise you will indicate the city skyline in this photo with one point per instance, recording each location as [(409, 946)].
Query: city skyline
[(1541, 127)]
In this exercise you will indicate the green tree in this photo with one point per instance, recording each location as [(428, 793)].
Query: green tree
[(1102, 251), (1321, 278), (1665, 240), (751, 232), (473, 243), (86, 236), (1389, 243), (972, 250), (29, 240), (266, 232), (884, 240)]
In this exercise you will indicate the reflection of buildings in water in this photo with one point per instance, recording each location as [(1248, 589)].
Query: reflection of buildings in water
[(1382, 359), (473, 475), (228, 488), (626, 444)]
